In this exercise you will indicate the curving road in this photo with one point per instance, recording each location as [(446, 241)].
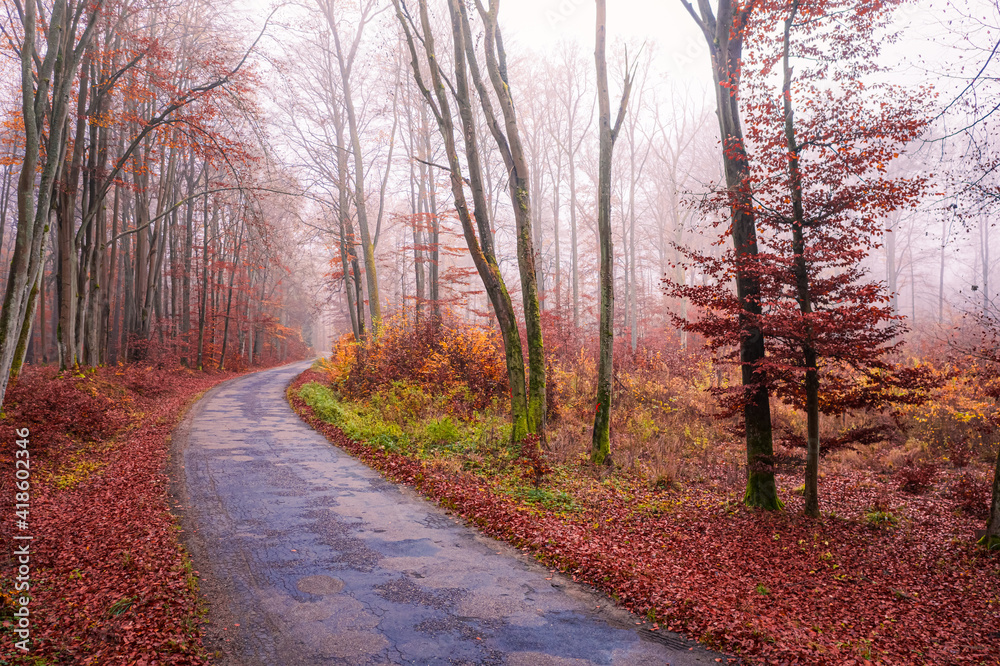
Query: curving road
[(306, 556)]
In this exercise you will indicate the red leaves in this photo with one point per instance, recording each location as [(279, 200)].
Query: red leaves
[(972, 496), (110, 586), (59, 410), (917, 478)]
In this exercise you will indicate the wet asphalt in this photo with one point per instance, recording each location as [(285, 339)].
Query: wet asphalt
[(306, 556)]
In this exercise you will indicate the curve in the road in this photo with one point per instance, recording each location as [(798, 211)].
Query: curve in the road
[(318, 560)]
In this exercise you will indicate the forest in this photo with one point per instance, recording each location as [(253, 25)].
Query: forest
[(692, 301)]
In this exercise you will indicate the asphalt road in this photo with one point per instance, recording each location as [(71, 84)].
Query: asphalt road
[(306, 556)]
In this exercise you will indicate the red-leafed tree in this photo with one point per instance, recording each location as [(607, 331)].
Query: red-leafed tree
[(821, 129)]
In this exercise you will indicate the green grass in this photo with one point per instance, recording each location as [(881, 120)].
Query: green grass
[(404, 419), (544, 497), (357, 421), (881, 518)]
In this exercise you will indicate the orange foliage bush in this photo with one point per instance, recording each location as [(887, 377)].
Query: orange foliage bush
[(959, 421), (444, 358)]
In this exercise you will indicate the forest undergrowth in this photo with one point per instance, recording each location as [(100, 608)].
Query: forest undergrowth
[(110, 582), (889, 574)]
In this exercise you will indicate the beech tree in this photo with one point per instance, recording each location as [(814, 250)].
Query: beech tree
[(724, 31), (973, 171), (980, 342), (345, 54), (478, 235), (131, 128), (46, 80), (570, 89), (600, 449), (833, 221), (821, 195), (508, 140)]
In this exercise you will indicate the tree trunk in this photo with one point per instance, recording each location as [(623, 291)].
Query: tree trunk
[(555, 233), (347, 238), (992, 537), (633, 303), (600, 450), (890, 262), (480, 248), (205, 286), (508, 139), (66, 276), (186, 257), (345, 61), (803, 294), (229, 297), (574, 254), (519, 180), (55, 75), (724, 36)]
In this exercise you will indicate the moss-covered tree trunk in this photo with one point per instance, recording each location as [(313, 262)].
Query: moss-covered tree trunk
[(992, 537), (508, 139), (480, 245), (600, 449)]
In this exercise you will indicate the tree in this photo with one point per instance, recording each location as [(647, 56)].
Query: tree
[(478, 236), (683, 158), (46, 82), (975, 171), (724, 33), (508, 139), (600, 449), (820, 197), (133, 124), (345, 62), (980, 342), (571, 91)]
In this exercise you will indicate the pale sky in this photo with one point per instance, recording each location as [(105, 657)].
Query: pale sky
[(680, 45), (542, 21)]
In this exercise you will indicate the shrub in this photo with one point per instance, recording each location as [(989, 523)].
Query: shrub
[(441, 431), (465, 362), (402, 402), (916, 479)]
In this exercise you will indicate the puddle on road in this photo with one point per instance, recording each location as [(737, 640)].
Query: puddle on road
[(320, 585)]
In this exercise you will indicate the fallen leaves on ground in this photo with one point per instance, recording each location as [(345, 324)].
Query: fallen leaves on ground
[(109, 581)]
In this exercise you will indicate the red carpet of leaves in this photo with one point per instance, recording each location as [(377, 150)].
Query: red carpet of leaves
[(774, 589), (109, 584)]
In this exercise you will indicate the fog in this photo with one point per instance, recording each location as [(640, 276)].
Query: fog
[(318, 157)]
